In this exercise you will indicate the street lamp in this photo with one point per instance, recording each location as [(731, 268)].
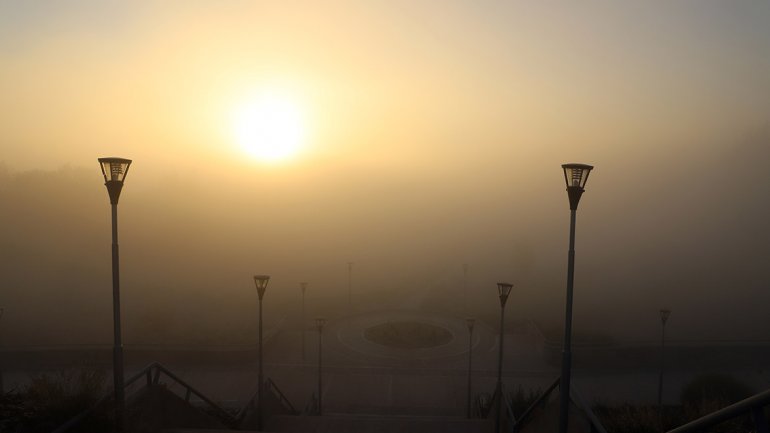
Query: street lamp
[(465, 287), (664, 313), (114, 171), (503, 290), (575, 175), (470, 322), (320, 322), (261, 282), (303, 288), (350, 287)]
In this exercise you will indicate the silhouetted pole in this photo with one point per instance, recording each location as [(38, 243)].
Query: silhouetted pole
[(114, 171), (2, 389), (470, 322), (664, 313), (575, 175), (320, 322), (503, 289), (261, 282), (465, 287), (303, 287), (350, 287)]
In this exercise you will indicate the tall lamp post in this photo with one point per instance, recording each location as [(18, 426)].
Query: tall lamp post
[(503, 290), (261, 282), (303, 288), (2, 391), (470, 322), (465, 287), (114, 171), (350, 287), (664, 313), (320, 322), (575, 175)]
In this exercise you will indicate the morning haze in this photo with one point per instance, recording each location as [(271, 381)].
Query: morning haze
[(409, 138)]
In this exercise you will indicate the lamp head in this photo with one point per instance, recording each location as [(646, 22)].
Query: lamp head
[(261, 282), (320, 322), (114, 171), (303, 287), (503, 290), (470, 321), (664, 313), (576, 176)]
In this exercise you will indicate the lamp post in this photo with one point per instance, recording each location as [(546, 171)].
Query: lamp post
[(2, 390), (319, 323), (465, 287), (575, 175), (114, 171), (261, 282), (503, 290), (664, 313), (303, 288), (470, 322), (350, 287)]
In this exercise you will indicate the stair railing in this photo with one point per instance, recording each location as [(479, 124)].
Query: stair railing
[(152, 374), (753, 405)]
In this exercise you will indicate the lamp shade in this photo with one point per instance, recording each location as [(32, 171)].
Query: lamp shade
[(320, 322), (470, 321), (576, 175), (261, 282), (664, 313), (503, 290), (303, 286), (114, 169)]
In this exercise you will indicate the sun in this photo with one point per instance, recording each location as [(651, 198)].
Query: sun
[(269, 128)]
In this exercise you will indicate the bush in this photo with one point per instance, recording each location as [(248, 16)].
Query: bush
[(628, 418), (708, 393), (50, 400), (714, 388)]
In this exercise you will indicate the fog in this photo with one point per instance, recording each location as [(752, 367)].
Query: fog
[(684, 229)]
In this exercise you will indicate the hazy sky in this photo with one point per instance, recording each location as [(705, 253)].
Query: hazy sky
[(432, 136)]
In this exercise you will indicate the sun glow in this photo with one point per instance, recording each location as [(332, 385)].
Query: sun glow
[(270, 128)]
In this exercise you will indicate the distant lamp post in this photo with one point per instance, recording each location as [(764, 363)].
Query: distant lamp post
[(664, 313), (350, 287), (114, 171), (320, 322), (576, 176), (465, 287), (303, 288), (261, 282), (503, 289), (2, 389), (470, 322)]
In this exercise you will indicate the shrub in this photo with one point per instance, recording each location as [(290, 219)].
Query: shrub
[(714, 388)]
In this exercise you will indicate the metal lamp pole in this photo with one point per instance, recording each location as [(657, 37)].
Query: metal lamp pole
[(303, 287), (261, 282), (320, 322), (114, 171), (470, 322), (664, 313), (350, 287), (503, 289), (465, 287), (575, 175)]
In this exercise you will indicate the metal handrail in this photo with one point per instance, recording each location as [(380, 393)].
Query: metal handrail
[(281, 397), (509, 408), (536, 403), (752, 405), (596, 425), (229, 419), (152, 374)]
